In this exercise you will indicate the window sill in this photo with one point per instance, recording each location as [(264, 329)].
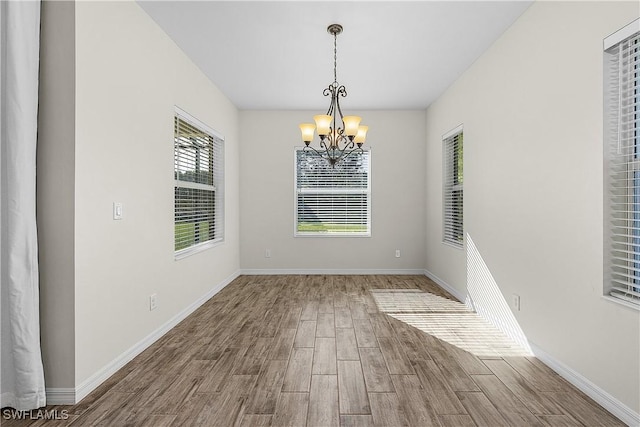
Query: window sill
[(192, 250), (323, 235), (622, 302), (461, 246)]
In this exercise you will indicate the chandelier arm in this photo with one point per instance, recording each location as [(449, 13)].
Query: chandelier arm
[(341, 91), (334, 103), (327, 153), (330, 91), (324, 145), (340, 157), (349, 143), (310, 147), (344, 139), (344, 154), (355, 149)]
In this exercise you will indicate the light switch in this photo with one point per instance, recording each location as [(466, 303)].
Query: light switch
[(117, 210)]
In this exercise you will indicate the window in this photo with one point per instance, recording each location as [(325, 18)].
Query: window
[(332, 201), (452, 187), (198, 185), (622, 164)]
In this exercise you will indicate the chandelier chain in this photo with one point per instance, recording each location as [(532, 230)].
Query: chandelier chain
[(335, 57)]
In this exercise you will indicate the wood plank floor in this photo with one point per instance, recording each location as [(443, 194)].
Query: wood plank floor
[(329, 351)]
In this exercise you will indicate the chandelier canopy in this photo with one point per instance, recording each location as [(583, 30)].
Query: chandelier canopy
[(339, 135)]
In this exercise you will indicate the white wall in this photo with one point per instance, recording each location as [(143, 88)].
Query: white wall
[(532, 113), (268, 139), (128, 77)]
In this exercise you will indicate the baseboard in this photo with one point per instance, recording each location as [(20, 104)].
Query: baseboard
[(311, 271), (61, 396), (604, 399), (444, 285), (73, 396)]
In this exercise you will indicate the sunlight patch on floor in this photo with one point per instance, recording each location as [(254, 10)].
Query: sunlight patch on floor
[(448, 320)]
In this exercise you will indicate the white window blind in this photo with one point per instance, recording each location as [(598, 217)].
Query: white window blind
[(452, 188), (332, 200), (198, 189), (622, 177)]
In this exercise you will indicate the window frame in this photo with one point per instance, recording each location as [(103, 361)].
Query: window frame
[(450, 166), (621, 257), (306, 234), (217, 172)]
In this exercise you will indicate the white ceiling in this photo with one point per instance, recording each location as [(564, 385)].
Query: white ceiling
[(278, 54)]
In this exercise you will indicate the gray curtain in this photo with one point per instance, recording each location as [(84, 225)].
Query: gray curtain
[(21, 375)]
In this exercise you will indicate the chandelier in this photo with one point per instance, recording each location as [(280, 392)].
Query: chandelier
[(339, 135)]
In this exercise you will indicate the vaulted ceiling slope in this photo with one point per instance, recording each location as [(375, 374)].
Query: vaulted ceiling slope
[(277, 55)]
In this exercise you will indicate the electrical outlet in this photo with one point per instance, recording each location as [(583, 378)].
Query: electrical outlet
[(397, 253), (515, 302), (267, 253), (153, 302)]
